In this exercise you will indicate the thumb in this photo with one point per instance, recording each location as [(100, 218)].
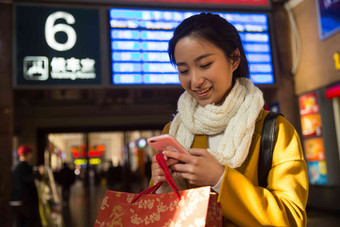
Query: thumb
[(165, 157)]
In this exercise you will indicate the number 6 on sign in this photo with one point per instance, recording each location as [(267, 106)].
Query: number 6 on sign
[(51, 29)]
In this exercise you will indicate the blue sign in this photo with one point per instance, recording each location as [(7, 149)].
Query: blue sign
[(317, 172), (329, 17), (139, 45)]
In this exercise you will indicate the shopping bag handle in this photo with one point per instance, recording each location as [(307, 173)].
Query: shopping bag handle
[(162, 164)]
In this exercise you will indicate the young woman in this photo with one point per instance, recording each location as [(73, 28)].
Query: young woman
[(219, 121)]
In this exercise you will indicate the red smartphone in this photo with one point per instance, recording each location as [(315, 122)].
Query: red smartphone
[(166, 142)]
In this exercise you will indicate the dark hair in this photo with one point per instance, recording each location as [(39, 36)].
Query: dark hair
[(216, 30)]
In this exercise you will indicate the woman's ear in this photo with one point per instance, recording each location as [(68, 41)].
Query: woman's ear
[(236, 58)]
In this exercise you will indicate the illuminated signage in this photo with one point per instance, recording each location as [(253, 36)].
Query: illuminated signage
[(336, 57), (139, 44), (317, 172), (329, 17), (224, 2), (57, 46), (82, 162), (94, 151)]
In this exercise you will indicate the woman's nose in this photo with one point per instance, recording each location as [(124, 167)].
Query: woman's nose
[(197, 79)]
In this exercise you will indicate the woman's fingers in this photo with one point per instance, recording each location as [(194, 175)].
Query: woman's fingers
[(157, 179), (157, 173), (187, 176), (199, 168), (199, 152), (181, 167), (169, 161), (177, 156)]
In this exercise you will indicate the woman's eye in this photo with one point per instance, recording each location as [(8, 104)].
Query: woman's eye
[(206, 65), (183, 71)]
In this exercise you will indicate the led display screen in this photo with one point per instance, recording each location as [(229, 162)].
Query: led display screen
[(139, 44)]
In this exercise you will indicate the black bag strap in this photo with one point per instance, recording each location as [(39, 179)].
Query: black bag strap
[(266, 148)]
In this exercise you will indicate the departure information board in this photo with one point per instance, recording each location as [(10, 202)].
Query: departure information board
[(139, 45)]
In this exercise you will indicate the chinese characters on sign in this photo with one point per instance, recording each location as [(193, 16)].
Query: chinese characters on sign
[(36, 68), (56, 48), (72, 68)]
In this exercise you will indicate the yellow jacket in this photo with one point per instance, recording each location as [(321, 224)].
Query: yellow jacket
[(284, 200)]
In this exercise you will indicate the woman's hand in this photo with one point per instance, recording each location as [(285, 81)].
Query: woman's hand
[(199, 168), (157, 172)]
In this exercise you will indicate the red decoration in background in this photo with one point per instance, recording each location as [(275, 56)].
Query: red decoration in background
[(333, 92), (95, 151)]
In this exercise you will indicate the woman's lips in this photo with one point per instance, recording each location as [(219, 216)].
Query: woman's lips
[(202, 92)]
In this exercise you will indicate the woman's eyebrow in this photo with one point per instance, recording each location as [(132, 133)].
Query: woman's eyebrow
[(202, 56), (181, 64), (196, 60)]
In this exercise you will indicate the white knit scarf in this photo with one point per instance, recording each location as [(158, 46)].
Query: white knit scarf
[(236, 118)]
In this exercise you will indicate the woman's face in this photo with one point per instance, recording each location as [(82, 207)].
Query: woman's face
[(204, 70)]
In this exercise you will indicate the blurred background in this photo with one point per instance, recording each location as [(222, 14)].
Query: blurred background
[(87, 82)]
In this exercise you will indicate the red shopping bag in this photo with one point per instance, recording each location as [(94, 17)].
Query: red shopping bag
[(192, 207)]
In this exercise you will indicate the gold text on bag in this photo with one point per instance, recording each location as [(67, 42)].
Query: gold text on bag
[(195, 207)]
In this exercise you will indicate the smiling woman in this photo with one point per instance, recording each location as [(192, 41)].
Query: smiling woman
[(219, 121), (204, 70)]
